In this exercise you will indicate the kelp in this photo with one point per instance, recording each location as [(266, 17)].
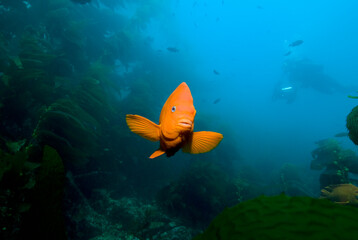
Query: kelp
[(45, 217), (354, 97), (11, 164), (28, 84), (92, 93), (17, 182), (145, 11), (35, 59), (58, 91), (70, 129), (15, 169), (73, 35)]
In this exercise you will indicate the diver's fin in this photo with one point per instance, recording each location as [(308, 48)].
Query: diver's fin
[(143, 127), (201, 142), (157, 153)]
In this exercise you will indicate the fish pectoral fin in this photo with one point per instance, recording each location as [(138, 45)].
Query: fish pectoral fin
[(143, 127), (202, 142), (157, 153)]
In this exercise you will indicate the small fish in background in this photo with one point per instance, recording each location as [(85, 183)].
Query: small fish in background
[(176, 126), (341, 134), (172, 49), (217, 100), (296, 43), (259, 7), (287, 54), (216, 72), (217, 19)]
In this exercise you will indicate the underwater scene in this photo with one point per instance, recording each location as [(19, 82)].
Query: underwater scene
[(99, 99)]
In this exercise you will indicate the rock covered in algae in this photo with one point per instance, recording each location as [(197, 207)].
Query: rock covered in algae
[(283, 217), (352, 125), (336, 162)]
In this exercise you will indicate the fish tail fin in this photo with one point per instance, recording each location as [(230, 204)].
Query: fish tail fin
[(202, 142), (157, 153), (143, 127)]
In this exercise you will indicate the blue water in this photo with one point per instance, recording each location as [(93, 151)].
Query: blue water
[(245, 41)]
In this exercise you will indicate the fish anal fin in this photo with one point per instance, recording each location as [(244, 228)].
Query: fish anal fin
[(202, 142), (157, 153), (143, 127)]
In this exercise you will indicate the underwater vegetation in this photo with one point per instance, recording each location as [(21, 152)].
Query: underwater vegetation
[(354, 97), (45, 217), (26, 86), (70, 168), (283, 217), (336, 162), (68, 128), (31, 191), (60, 102)]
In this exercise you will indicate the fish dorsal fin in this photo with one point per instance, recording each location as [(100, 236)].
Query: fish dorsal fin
[(143, 127), (202, 142), (157, 153)]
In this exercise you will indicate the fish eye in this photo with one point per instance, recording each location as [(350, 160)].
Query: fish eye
[(174, 108)]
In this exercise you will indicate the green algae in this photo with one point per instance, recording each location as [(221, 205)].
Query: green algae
[(283, 217), (45, 219)]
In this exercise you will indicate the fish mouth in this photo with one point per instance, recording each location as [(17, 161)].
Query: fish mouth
[(186, 123)]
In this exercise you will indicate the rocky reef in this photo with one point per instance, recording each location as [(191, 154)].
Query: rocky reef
[(104, 217), (336, 162)]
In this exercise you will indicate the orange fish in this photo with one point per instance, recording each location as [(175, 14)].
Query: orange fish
[(176, 125)]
